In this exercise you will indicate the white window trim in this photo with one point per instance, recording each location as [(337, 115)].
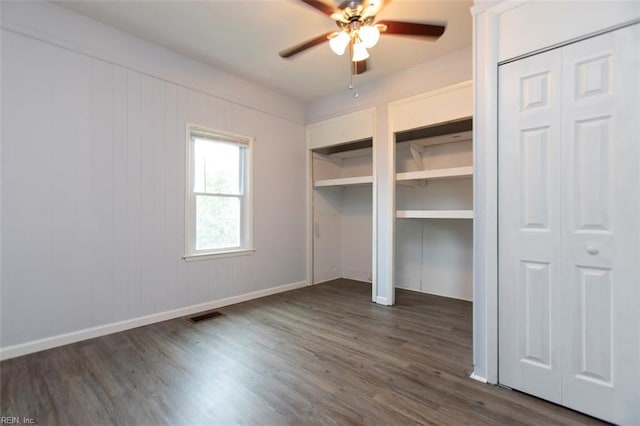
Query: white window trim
[(246, 232)]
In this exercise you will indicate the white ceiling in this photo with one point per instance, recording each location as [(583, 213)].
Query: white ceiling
[(245, 36)]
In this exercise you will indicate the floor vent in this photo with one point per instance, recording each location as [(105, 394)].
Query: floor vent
[(206, 316)]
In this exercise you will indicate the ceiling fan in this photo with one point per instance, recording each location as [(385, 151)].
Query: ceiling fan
[(358, 30)]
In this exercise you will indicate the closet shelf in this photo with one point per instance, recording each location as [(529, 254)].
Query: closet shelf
[(358, 180), (453, 172), (434, 214)]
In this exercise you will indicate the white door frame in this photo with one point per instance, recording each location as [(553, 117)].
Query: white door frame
[(496, 26)]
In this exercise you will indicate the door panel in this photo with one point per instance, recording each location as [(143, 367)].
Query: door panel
[(601, 215), (535, 329), (569, 225), (592, 323), (530, 220), (534, 164), (591, 165)]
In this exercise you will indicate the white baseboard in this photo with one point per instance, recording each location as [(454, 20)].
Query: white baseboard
[(357, 275), (101, 330), (343, 277), (478, 378), (326, 280), (382, 300), (417, 290)]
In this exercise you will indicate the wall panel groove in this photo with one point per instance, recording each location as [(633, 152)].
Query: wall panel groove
[(93, 195)]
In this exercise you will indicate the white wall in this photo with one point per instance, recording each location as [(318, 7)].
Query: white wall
[(435, 256), (342, 233), (93, 179), (327, 231), (356, 238), (342, 222), (441, 72)]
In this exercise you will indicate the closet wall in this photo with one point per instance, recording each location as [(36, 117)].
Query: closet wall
[(433, 255), (342, 235)]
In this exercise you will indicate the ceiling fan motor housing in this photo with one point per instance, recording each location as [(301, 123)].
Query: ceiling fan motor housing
[(352, 4)]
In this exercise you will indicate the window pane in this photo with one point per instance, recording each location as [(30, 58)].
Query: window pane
[(217, 167), (217, 222)]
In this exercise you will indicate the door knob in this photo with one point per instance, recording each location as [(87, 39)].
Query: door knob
[(591, 249)]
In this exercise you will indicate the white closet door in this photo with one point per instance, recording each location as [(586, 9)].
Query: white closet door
[(569, 225), (601, 232), (530, 225)]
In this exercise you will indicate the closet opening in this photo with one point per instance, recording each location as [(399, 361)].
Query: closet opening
[(342, 206), (434, 216)]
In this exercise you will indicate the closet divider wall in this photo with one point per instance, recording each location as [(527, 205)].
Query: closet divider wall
[(341, 197)]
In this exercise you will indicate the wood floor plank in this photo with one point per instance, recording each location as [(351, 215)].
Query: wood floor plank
[(320, 355)]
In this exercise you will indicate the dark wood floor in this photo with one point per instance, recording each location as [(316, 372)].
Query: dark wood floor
[(319, 355)]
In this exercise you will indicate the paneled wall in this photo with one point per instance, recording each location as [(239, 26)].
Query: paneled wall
[(93, 189)]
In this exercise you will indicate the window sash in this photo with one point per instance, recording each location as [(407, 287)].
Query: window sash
[(200, 133), (194, 221), (242, 159), (217, 194), (243, 194)]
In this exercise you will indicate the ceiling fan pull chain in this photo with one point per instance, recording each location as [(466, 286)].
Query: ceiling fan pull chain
[(350, 80), (351, 85)]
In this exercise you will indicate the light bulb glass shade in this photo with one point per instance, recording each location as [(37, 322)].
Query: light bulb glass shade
[(339, 43), (359, 52), (369, 35)]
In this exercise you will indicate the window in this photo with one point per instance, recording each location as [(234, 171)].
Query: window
[(218, 211)]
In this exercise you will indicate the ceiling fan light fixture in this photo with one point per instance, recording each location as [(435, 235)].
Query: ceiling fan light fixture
[(369, 35), (339, 43), (359, 52), (359, 31), (338, 17)]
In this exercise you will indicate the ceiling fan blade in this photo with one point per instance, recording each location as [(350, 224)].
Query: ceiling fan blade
[(412, 29), (321, 6), (294, 50), (358, 67)]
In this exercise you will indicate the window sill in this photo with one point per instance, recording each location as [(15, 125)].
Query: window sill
[(218, 255)]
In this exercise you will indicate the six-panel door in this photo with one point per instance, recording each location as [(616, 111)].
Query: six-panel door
[(569, 228)]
